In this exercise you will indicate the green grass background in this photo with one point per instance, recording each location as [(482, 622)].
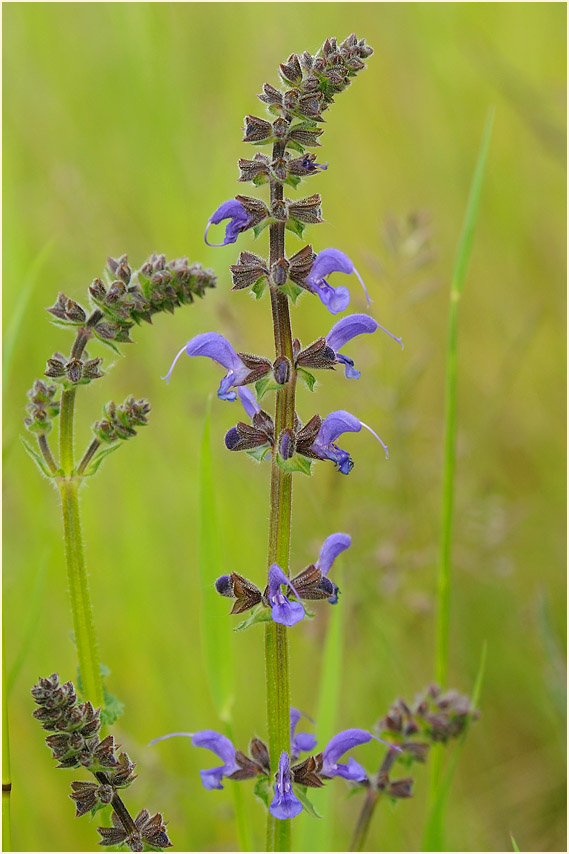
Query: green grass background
[(121, 133)]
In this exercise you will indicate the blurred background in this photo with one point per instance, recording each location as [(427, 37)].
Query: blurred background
[(122, 131)]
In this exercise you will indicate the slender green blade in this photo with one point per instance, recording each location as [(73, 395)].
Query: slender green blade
[(18, 314), (457, 284), (319, 835), (514, 843), (444, 560), (215, 628), (216, 639), (434, 834)]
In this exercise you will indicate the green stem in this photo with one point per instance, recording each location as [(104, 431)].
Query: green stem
[(6, 776), (276, 640), (81, 608), (364, 820), (83, 624), (46, 453), (373, 794)]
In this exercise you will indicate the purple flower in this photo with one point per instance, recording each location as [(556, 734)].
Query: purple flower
[(302, 742), (332, 546), (216, 347), (218, 744), (248, 401), (324, 446), (346, 329), (285, 804), (332, 261), (238, 218), (340, 744), (309, 163), (283, 611)]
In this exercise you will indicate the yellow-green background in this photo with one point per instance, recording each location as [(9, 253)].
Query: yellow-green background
[(122, 127)]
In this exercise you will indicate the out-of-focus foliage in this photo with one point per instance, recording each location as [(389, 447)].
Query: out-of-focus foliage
[(122, 130)]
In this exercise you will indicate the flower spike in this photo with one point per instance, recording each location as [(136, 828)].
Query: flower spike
[(239, 220)]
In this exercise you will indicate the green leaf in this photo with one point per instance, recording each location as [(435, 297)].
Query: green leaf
[(308, 378), (295, 225), (292, 143), (514, 843), (258, 229), (264, 385), (297, 463), (112, 709), (300, 792), (106, 341), (259, 453), (260, 179), (293, 180), (38, 459), (260, 615), (95, 463), (291, 290), (259, 287), (262, 791)]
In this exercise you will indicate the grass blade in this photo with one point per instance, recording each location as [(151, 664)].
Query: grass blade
[(17, 315), (514, 843), (434, 834), (215, 629), (444, 565), (319, 835), (457, 284), (35, 605)]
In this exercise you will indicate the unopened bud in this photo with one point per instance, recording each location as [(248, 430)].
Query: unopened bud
[(281, 370)]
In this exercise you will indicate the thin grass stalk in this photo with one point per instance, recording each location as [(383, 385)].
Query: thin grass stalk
[(6, 775), (217, 650), (444, 560)]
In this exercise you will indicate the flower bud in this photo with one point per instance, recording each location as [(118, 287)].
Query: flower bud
[(281, 370)]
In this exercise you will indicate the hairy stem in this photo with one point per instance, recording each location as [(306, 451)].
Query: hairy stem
[(46, 453), (118, 804), (83, 624), (88, 456), (276, 640), (364, 819), (372, 797), (81, 608)]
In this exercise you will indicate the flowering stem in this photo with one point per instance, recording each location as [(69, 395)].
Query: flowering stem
[(46, 453), (364, 819), (83, 624), (81, 608), (88, 456), (276, 640), (118, 805), (372, 797)]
